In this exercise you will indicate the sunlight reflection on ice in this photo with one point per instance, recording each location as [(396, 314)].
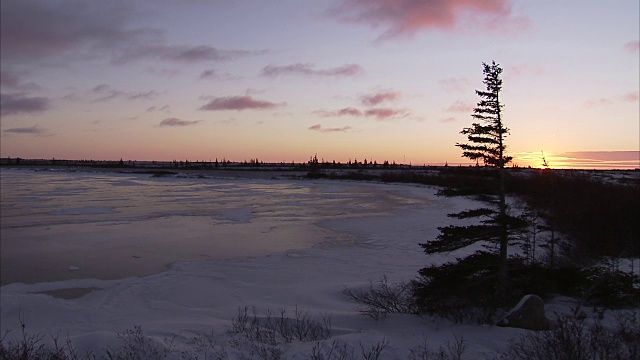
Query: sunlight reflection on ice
[(117, 225)]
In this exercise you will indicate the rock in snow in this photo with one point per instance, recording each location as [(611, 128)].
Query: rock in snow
[(528, 314)]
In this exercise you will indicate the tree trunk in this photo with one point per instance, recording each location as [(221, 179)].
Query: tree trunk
[(504, 236), (504, 242)]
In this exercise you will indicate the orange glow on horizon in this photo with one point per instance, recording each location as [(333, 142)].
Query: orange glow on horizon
[(585, 160)]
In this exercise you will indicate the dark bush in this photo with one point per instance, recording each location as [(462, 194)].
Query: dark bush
[(599, 217), (465, 291), (575, 339), (611, 289), (382, 298)]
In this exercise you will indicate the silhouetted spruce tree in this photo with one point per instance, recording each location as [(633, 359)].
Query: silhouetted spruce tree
[(314, 167), (485, 143)]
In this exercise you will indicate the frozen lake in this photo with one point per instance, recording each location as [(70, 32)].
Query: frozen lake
[(59, 225), (90, 254)]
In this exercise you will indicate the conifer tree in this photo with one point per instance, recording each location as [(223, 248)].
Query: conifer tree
[(485, 143)]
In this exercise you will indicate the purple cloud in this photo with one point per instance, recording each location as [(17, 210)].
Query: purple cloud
[(205, 53), (165, 108), (33, 130), (214, 75), (239, 103), (319, 128), (39, 29), (407, 17), (11, 81), (144, 95), (375, 99), (385, 113), (101, 88), (68, 30), (18, 103), (209, 74), (347, 70), (177, 122), (169, 73), (105, 92), (182, 54), (8, 80)]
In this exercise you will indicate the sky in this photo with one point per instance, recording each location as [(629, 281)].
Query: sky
[(285, 80)]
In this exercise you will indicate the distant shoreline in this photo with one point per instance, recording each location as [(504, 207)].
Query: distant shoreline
[(159, 167)]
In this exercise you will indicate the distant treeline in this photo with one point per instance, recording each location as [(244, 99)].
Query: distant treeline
[(312, 165)]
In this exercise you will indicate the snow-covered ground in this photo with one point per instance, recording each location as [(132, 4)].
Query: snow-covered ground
[(88, 255)]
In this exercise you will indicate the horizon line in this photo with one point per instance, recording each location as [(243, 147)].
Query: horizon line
[(599, 165)]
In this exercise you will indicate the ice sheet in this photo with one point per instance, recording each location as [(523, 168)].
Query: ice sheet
[(119, 225), (300, 244)]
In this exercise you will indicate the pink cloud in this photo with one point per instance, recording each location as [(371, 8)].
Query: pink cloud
[(456, 84), (239, 103), (523, 69), (449, 120), (319, 128), (459, 106), (19, 103), (347, 70), (378, 113), (603, 155), (598, 102), (349, 111), (342, 112), (630, 97), (632, 46), (407, 17), (375, 99), (384, 113), (325, 113), (177, 122)]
